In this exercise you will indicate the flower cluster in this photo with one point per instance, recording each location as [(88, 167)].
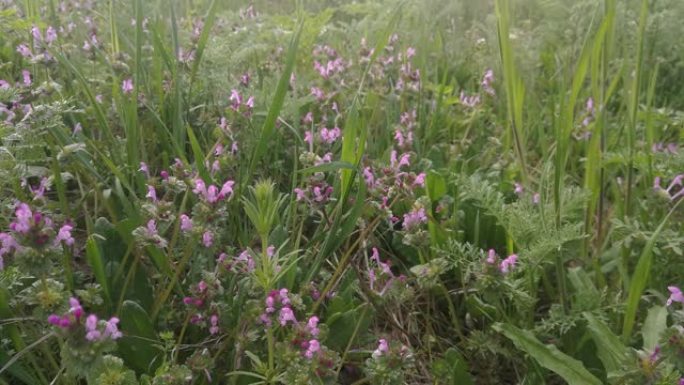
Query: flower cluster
[(95, 330), (505, 265)]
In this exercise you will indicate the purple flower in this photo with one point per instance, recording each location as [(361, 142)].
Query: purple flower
[(487, 81), (50, 35), (23, 221), (37, 36), (235, 99), (64, 235), (92, 334), (414, 218), (127, 86), (185, 223), (312, 326), (144, 169), (508, 264), (286, 315), (227, 189), (207, 239), (24, 50), (330, 135), (152, 228), (214, 329), (675, 295), (151, 193), (111, 330), (75, 307), (383, 348), (420, 180), (27, 77), (491, 257), (313, 348)]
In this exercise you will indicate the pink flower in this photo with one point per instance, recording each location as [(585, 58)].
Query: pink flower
[(414, 218), (369, 177), (37, 36), (330, 135), (487, 81), (491, 257), (64, 235), (50, 35), (383, 348), (185, 223), (151, 228), (318, 93), (308, 137), (312, 326), (308, 118), (518, 189), (75, 307), (214, 329), (127, 86), (286, 315), (675, 295), (313, 348), (23, 221), (301, 195), (92, 334), (111, 329), (508, 264), (235, 99), (250, 102), (151, 193), (207, 239), (27, 77), (227, 189), (24, 50), (420, 180)]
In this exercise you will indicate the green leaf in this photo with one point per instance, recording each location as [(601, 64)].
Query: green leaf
[(642, 273), (137, 346), (276, 104), (97, 263), (654, 326), (435, 185), (327, 167), (548, 356), (610, 350)]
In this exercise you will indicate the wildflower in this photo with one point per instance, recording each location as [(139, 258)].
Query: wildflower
[(410, 52), (151, 193), (207, 239), (37, 36), (469, 101), (24, 50), (491, 257), (23, 222), (508, 264), (414, 218), (235, 99), (50, 35), (78, 128), (301, 195), (227, 189), (318, 93), (270, 251), (250, 102), (92, 334), (487, 81), (75, 307), (313, 347), (64, 235), (420, 180), (383, 348), (127, 86), (244, 79), (675, 295), (536, 198), (26, 77), (152, 228), (144, 169), (286, 315), (369, 177), (330, 135), (185, 223), (284, 299), (312, 326), (214, 329), (308, 118), (518, 189), (111, 329)]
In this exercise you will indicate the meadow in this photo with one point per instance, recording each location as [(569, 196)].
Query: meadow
[(334, 192)]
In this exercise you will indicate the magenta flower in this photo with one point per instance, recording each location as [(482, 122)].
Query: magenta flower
[(50, 35), (235, 99), (383, 348), (330, 135), (214, 329), (312, 326), (24, 50), (185, 223), (508, 264), (151, 193), (92, 334), (301, 195), (144, 169), (313, 348), (414, 218), (207, 239), (286, 315), (64, 235), (675, 295), (250, 102), (26, 77), (420, 180), (127, 86), (23, 222), (308, 137), (111, 329), (491, 257)]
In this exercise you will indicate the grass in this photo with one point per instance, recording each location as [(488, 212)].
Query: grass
[(323, 192)]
